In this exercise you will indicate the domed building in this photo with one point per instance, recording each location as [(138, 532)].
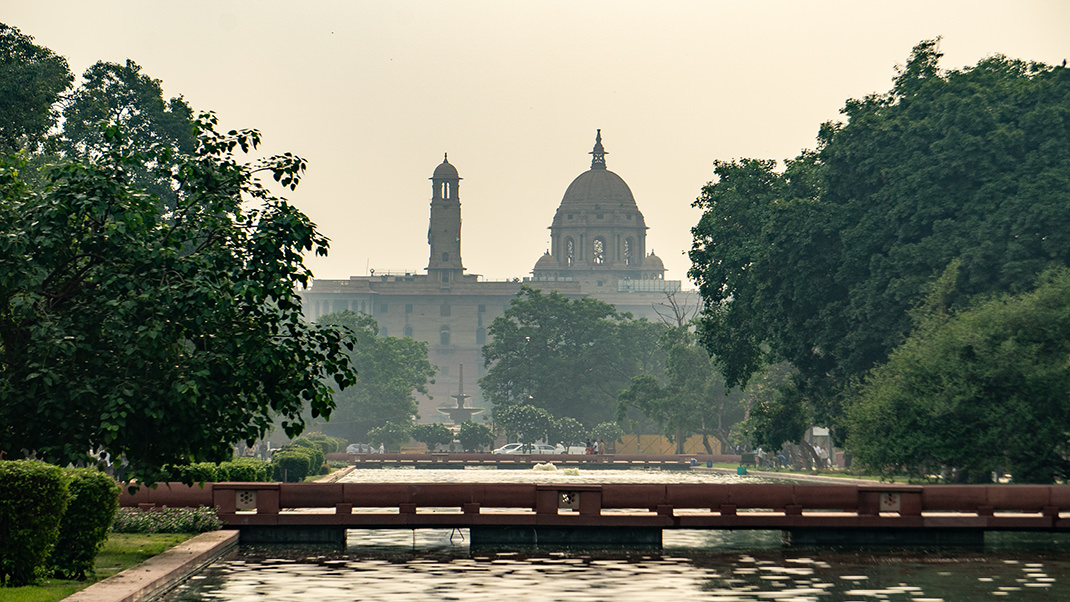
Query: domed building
[(598, 249), (598, 236)]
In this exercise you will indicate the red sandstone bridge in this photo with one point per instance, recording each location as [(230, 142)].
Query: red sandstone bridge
[(624, 513)]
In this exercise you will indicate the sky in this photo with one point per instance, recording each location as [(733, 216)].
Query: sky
[(374, 93)]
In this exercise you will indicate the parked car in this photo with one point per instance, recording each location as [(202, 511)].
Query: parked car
[(360, 448), (518, 448)]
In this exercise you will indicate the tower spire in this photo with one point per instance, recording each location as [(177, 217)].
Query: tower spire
[(598, 155)]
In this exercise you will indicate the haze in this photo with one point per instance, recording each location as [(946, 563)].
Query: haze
[(373, 94)]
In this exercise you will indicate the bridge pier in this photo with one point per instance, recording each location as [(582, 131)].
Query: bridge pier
[(929, 536), (643, 537)]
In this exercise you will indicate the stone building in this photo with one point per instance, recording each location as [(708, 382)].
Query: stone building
[(598, 249)]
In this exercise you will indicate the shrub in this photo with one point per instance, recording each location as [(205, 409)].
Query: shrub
[(201, 472), (94, 497), (33, 498), (166, 520), (291, 465), (246, 470), (325, 443)]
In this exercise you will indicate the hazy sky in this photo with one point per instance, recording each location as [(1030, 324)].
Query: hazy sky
[(373, 94)]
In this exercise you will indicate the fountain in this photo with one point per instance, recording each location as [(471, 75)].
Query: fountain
[(460, 414)]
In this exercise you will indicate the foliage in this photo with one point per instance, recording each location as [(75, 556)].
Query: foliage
[(32, 82), (293, 464), (819, 264), (389, 371), (391, 435), (567, 356), (474, 436), (693, 399), (608, 431), (166, 520), (432, 435), (94, 498), (325, 443), (158, 337), (975, 391), (197, 472), (33, 498), (528, 422), (566, 431), (246, 470)]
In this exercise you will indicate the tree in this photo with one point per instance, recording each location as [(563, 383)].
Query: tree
[(32, 82), (432, 435), (819, 264), (527, 422), (390, 371), (568, 356), (391, 435), (158, 338), (693, 398), (567, 431), (474, 436), (123, 95), (975, 391)]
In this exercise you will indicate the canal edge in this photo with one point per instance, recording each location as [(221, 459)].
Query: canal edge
[(162, 572)]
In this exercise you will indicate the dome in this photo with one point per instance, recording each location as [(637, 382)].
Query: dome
[(445, 170), (653, 262), (598, 187), (546, 262)]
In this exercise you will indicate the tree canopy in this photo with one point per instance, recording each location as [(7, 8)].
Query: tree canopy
[(32, 82), (568, 356), (389, 371), (981, 390), (820, 263), (157, 337)]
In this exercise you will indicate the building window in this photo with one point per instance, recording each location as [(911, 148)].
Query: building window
[(444, 335), (444, 310), (627, 251), (570, 251), (445, 276), (482, 308), (408, 331), (445, 257), (599, 254), (382, 308), (382, 331), (408, 308)]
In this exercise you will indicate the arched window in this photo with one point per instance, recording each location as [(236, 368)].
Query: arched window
[(444, 335), (627, 251), (408, 331), (599, 254), (570, 251)]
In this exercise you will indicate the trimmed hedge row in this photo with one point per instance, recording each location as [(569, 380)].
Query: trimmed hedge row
[(295, 462), (238, 469), (52, 520)]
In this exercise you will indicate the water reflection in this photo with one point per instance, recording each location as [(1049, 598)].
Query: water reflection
[(399, 565)]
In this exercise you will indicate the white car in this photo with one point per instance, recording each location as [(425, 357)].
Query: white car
[(518, 448)]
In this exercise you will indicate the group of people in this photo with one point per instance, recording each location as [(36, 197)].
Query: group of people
[(596, 447)]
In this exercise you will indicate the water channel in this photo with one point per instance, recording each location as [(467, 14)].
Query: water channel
[(397, 565)]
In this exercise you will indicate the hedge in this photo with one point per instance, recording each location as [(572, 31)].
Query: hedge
[(94, 497), (33, 498)]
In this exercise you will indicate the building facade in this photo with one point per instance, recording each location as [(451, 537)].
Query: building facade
[(598, 249)]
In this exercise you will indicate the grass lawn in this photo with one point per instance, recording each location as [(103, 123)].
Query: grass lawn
[(121, 551)]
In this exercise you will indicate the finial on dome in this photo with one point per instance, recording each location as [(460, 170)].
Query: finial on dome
[(445, 157), (598, 155)]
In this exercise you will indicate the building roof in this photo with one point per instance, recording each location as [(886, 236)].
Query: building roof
[(445, 169)]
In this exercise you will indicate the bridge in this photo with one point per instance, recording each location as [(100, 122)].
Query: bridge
[(614, 514)]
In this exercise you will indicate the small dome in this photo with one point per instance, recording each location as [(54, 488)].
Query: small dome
[(653, 262), (445, 170), (546, 262)]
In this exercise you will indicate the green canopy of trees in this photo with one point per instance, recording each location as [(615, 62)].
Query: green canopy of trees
[(568, 356), (820, 263), (977, 391), (390, 371), (32, 82)]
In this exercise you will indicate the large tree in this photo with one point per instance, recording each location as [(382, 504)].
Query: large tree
[(32, 82), (159, 338), (973, 392), (390, 371), (818, 264), (690, 398), (568, 356)]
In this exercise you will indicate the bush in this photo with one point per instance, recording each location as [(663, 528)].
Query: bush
[(246, 470), (166, 520), (326, 444), (33, 498), (292, 465), (201, 472), (94, 497)]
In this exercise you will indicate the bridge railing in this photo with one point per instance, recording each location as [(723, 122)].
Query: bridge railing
[(666, 505)]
